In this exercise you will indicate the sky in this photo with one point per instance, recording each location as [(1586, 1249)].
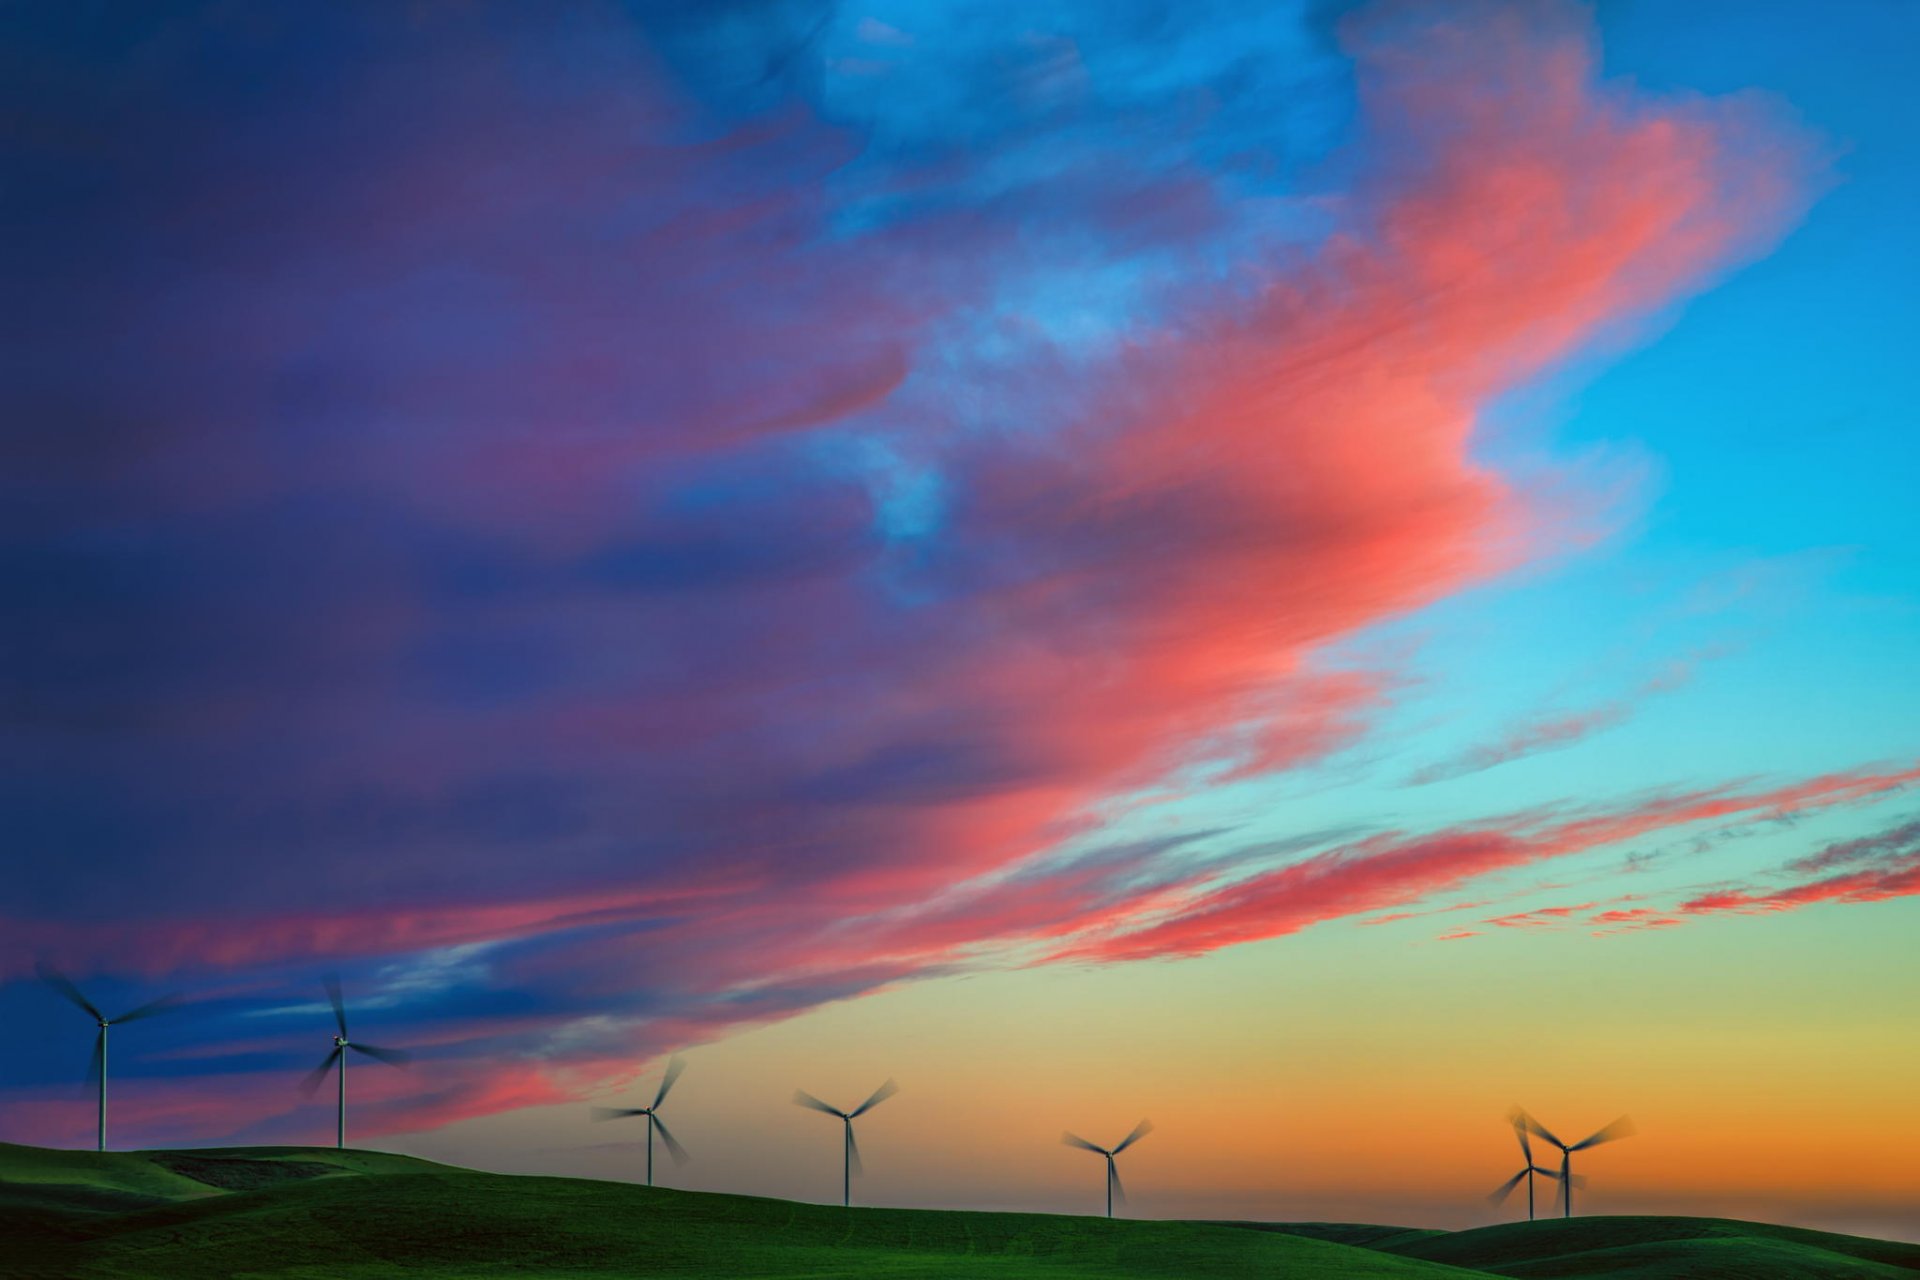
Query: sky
[(1307, 572)]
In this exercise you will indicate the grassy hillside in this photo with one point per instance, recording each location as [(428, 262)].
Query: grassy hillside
[(1663, 1247), (312, 1212), (302, 1212)]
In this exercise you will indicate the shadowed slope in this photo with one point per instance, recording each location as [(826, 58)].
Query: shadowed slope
[(1366, 1235)]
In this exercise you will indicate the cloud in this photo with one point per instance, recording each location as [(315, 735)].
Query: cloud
[(1875, 869), (1398, 869), (577, 485), (1551, 732), (1526, 739), (1867, 869)]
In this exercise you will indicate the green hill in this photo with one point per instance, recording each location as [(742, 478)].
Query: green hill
[(313, 1212), (1663, 1247), (309, 1212)]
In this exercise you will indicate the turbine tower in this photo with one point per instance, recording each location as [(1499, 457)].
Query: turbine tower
[(97, 1069), (655, 1124), (851, 1159), (1527, 1170), (338, 1056), (1621, 1128), (1114, 1189)]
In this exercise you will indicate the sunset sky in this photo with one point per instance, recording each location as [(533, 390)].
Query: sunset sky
[(1307, 571)]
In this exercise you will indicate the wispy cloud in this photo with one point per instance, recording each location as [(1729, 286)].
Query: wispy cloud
[(1868, 869), (1394, 870), (1553, 731)]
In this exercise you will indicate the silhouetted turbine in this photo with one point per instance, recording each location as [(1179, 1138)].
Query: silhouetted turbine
[(1621, 1128), (851, 1160), (97, 1068), (1527, 1171), (338, 1056), (652, 1112), (1114, 1189)]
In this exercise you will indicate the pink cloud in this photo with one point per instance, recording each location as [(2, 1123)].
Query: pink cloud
[(1393, 870), (773, 755), (1896, 876)]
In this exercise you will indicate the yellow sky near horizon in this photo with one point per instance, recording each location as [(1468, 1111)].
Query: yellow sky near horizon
[(1346, 1072)]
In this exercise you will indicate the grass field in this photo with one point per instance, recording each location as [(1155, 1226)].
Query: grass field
[(313, 1212)]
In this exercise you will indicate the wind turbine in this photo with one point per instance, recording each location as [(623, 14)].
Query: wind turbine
[(652, 1112), (97, 1069), (1527, 1170), (338, 1055), (1621, 1128), (851, 1165), (1114, 1188)]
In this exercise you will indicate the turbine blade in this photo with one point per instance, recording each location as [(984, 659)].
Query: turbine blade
[(64, 985), (674, 1149), (392, 1057), (1113, 1175), (318, 1075), (880, 1095), (332, 982), (97, 1063), (1526, 1143), (617, 1113), (1579, 1181), (675, 1065), (1075, 1140), (1560, 1197), (1140, 1131), (1621, 1128), (162, 1005), (1538, 1130), (801, 1098), (853, 1154), (1506, 1188)]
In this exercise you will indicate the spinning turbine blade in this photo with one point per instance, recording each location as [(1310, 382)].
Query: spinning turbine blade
[(674, 1149), (880, 1095), (162, 1005), (64, 985), (1538, 1130), (332, 982), (1075, 1140), (1506, 1188), (1113, 1176), (1140, 1131), (392, 1057), (1621, 1128), (97, 1063), (617, 1113), (801, 1098), (1526, 1144), (315, 1077), (675, 1066), (853, 1154)]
